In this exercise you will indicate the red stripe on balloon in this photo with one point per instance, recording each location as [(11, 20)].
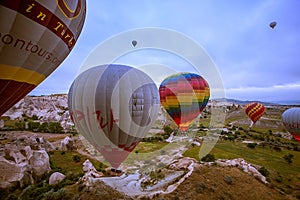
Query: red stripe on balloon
[(12, 92), (41, 15)]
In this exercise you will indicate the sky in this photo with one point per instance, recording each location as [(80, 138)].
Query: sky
[(254, 61)]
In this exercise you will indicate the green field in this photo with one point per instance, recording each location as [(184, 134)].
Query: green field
[(71, 162)]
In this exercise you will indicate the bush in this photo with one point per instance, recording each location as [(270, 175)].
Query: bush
[(288, 158), (55, 127), (168, 130), (76, 158), (264, 171), (33, 126), (200, 187), (251, 145), (20, 125), (34, 117), (208, 158), (44, 127), (277, 148), (228, 179)]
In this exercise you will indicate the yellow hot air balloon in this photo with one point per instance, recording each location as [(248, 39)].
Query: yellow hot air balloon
[(35, 37)]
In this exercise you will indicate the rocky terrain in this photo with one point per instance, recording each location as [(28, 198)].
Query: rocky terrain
[(52, 108), (25, 160)]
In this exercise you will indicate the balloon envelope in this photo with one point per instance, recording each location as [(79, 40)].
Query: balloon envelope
[(134, 43), (291, 121), (184, 96), (35, 37), (254, 111), (113, 107), (273, 24)]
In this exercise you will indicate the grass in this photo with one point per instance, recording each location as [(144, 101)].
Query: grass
[(65, 162), (146, 147), (282, 174)]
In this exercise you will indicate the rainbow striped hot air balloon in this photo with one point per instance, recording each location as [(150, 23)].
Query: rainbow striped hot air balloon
[(184, 96), (35, 37), (254, 111)]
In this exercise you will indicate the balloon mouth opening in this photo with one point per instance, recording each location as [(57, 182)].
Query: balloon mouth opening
[(183, 129), (296, 137)]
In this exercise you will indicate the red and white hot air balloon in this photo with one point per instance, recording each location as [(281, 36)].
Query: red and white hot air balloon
[(113, 107), (291, 121), (35, 37)]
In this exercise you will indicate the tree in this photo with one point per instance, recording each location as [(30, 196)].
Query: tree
[(20, 125), (288, 158), (168, 130), (33, 126), (208, 158), (55, 127), (44, 127)]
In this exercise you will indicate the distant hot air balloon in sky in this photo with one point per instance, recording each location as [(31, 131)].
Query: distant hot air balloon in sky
[(35, 37), (113, 107), (134, 43), (291, 121), (184, 96), (273, 24), (254, 111)]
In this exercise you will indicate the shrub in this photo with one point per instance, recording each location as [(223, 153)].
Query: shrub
[(55, 127), (20, 125), (34, 117), (76, 158), (200, 187), (33, 126), (277, 148), (279, 179), (208, 158), (251, 145), (264, 171), (168, 130), (228, 179), (288, 158), (44, 127)]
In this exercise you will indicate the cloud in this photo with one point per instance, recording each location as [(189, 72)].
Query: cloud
[(250, 56), (275, 93)]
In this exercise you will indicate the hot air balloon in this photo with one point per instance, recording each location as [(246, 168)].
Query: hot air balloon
[(273, 24), (35, 37), (291, 121), (134, 43), (113, 107), (254, 111), (184, 96)]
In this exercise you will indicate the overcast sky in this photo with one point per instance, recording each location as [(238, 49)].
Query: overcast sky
[(254, 61)]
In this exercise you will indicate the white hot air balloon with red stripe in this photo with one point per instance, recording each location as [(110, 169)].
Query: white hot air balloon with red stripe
[(113, 107), (291, 121)]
